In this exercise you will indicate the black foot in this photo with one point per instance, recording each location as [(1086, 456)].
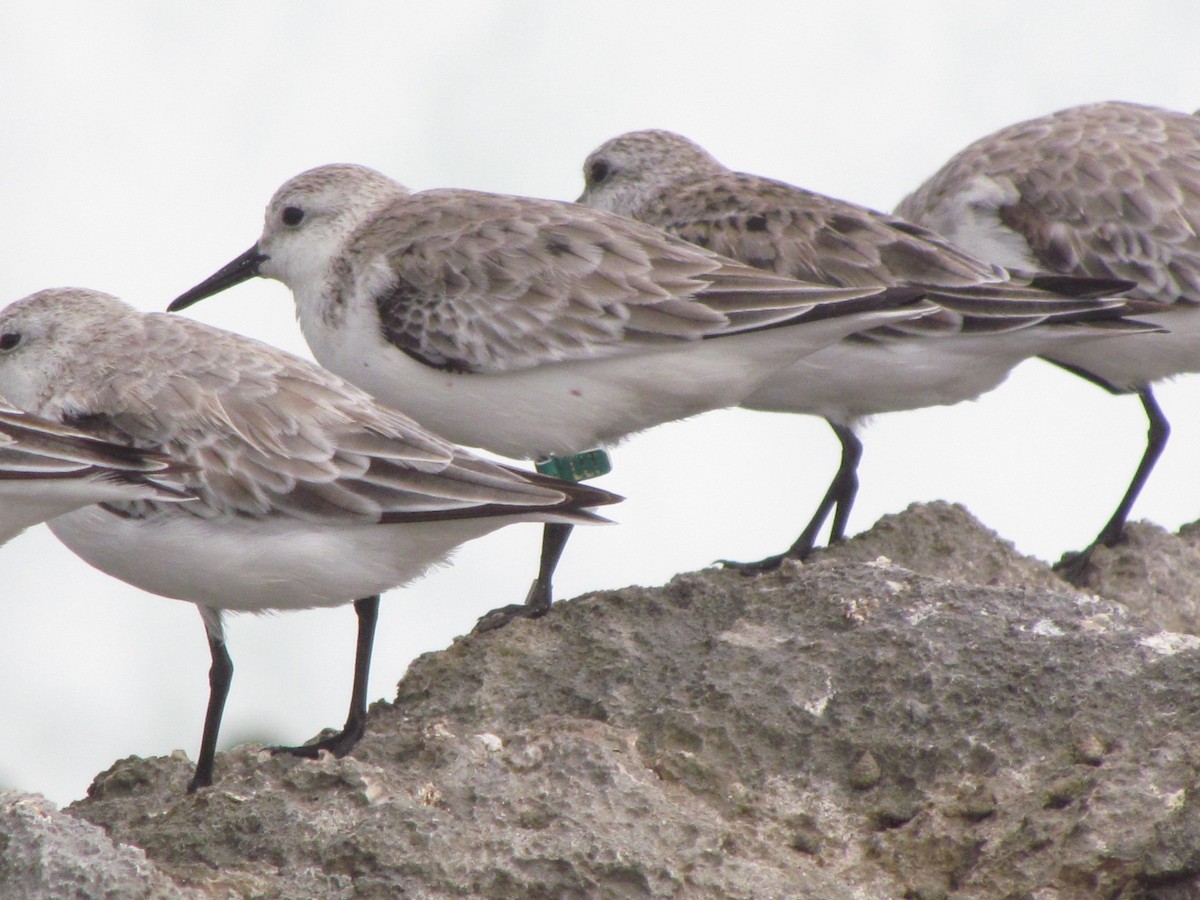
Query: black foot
[(536, 605), (538, 599), (1073, 567), (498, 618), (338, 744), (770, 564), (199, 781)]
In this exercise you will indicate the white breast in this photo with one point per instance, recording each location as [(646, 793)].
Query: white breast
[(569, 407), (243, 564)]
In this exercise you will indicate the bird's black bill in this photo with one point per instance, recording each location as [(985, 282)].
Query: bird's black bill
[(241, 269)]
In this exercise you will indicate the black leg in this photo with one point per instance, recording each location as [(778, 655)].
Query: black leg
[(356, 722), (554, 540), (220, 675), (846, 483), (1156, 440), (1073, 565), (537, 601), (841, 493)]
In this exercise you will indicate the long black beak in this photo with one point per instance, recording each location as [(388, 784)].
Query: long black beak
[(241, 269)]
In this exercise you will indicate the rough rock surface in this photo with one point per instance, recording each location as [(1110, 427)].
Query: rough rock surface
[(945, 541), (47, 853), (920, 713), (1154, 572)]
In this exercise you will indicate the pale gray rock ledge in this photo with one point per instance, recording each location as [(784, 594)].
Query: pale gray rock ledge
[(47, 853), (921, 713)]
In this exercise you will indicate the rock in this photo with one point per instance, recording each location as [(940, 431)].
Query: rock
[(1154, 572), (47, 854), (944, 540), (921, 712)]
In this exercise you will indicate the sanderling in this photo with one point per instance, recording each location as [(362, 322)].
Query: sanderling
[(308, 491), (1108, 189), (989, 319), (48, 469), (532, 328)]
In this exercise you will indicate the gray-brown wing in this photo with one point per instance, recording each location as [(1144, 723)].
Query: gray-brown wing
[(489, 283), (791, 231), (32, 445), (272, 435), (1108, 189)]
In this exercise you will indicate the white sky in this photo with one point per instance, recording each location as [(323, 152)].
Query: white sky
[(141, 141)]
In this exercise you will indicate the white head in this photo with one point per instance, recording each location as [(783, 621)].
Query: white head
[(312, 215), (307, 223), (624, 174), (51, 347)]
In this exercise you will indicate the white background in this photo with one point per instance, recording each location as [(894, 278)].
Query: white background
[(139, 143)]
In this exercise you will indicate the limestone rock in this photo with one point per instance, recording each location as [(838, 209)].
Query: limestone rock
[(1154, 572), (45, 853), (919, 713)]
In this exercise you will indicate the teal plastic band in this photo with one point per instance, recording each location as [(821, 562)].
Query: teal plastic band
[(580, 467)]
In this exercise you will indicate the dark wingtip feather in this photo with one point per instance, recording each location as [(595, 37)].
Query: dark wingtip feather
[(1081, 286)]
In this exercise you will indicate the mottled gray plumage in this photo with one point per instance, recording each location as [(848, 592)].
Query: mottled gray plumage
[(48, 468), (491, 283), (666, 180), (32, 444), (1107, 189), (532, 328), (987, 321), (308, 492), (264, 433)]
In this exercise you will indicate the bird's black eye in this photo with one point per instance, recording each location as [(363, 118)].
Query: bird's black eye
[(9, 339), (292, 215), (599, 171)]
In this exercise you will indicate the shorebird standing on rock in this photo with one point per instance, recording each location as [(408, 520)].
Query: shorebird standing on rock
[(1108, 189), (988, 320), (307, 491), (533, 328)]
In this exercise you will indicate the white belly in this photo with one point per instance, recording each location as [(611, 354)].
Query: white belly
[(970, 219), (27, 502), (241, 564), (849, 381), (1132, 361), (564, 408)]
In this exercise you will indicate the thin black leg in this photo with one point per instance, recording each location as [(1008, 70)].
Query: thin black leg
[(356, 722), (846, 483), (1156, 440), (554, 540), (537, 601), (840, 494), (1073, 565), (220, 675)]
